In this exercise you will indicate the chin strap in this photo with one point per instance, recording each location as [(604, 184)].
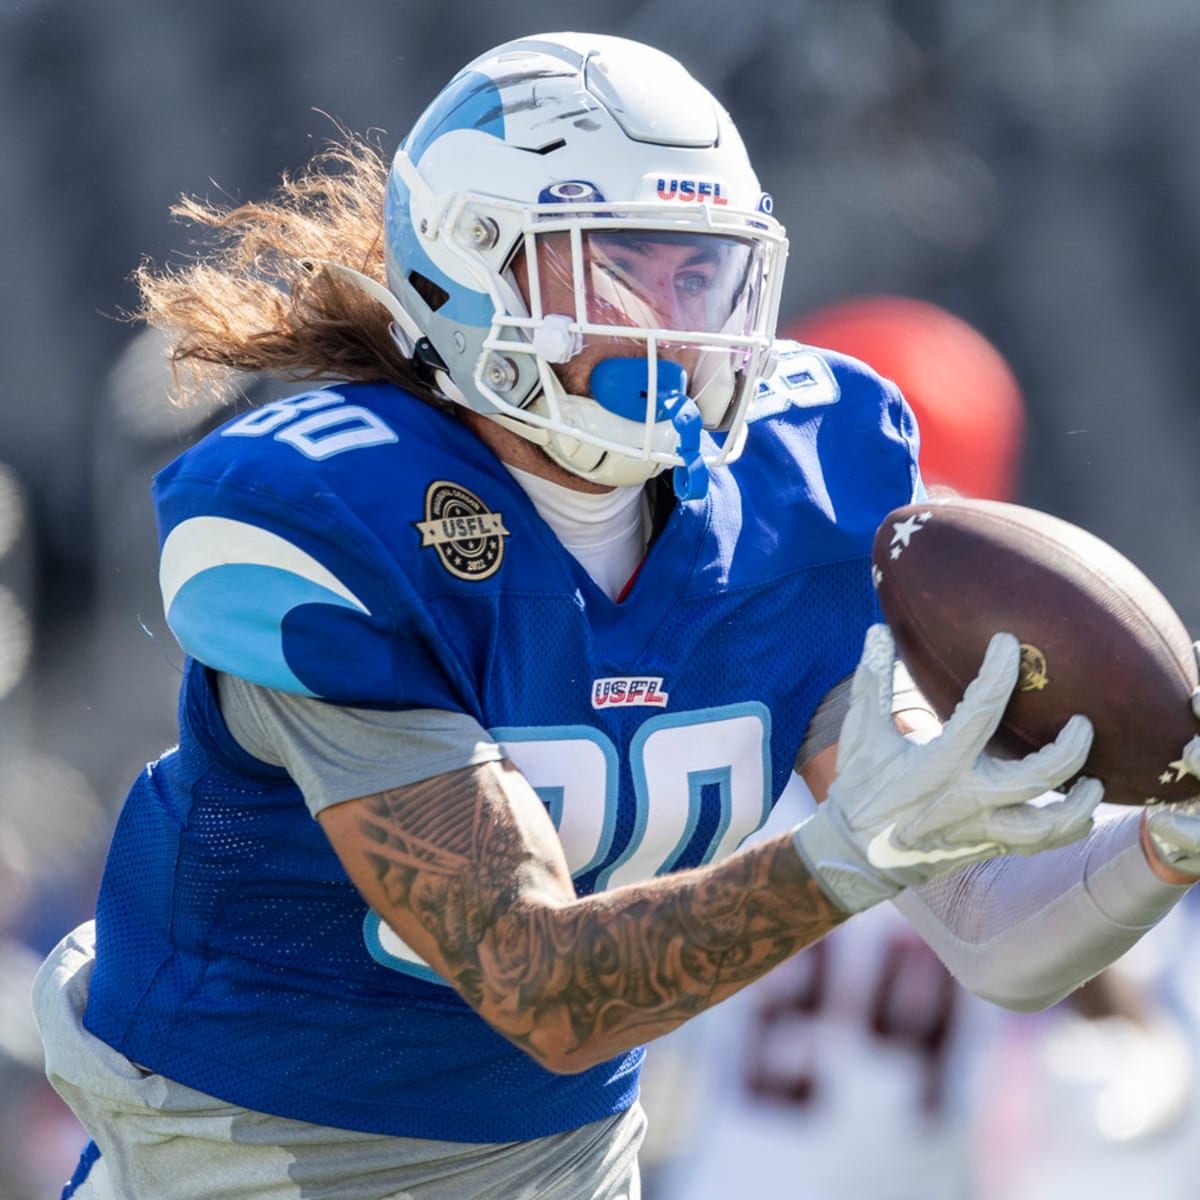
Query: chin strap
[(405, 331)]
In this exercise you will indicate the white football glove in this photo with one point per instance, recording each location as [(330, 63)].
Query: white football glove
[(1175, 828), (899, 813)]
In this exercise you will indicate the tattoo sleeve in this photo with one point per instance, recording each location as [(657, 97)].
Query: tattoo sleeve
[(467, 868)]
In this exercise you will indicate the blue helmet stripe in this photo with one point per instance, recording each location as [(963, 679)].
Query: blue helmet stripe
[(472, 101)]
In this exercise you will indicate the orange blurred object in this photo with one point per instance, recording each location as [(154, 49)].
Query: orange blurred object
[(966, 398)]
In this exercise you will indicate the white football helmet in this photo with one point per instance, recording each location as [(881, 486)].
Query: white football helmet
[(582, 252)]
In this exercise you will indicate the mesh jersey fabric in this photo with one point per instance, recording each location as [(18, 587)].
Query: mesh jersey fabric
[(355, 545)]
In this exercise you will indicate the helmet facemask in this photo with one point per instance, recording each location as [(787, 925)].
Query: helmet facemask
[(639, 331)]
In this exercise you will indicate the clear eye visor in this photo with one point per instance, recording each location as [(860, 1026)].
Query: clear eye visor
[(674, 285)]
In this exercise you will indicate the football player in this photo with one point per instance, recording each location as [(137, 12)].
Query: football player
[(500, 639)]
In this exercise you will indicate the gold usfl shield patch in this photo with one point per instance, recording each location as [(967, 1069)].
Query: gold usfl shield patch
[(467, 536)]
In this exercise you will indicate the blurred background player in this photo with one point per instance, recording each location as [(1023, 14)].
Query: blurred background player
[(967, 400), (860, 1068)]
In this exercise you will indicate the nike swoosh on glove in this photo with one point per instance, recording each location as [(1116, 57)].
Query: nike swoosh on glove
[(1175, 828), (900, 813)]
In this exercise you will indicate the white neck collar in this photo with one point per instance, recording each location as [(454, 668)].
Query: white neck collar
[(605, 532)]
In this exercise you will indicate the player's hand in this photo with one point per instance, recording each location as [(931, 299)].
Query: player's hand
[(1174, 829), (900, 813)]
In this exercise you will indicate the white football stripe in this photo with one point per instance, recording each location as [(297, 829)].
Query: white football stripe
[(201, 543)]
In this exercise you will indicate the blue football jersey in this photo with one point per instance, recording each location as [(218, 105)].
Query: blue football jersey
[(356, 545)]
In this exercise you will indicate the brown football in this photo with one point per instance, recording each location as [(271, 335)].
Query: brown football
[(1097, 636)]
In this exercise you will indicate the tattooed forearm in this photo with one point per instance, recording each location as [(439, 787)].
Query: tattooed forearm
[(467, 866), (618, 968)]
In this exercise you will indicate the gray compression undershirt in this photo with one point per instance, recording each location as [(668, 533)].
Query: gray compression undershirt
[(826, 724), (335, 753)]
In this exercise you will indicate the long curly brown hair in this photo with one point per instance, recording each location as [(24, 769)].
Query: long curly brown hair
[(244, 303)]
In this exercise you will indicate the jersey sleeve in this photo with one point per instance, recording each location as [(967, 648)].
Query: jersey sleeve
[(266, 573)]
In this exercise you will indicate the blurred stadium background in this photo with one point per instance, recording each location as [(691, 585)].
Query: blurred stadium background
[(1030, 165)]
